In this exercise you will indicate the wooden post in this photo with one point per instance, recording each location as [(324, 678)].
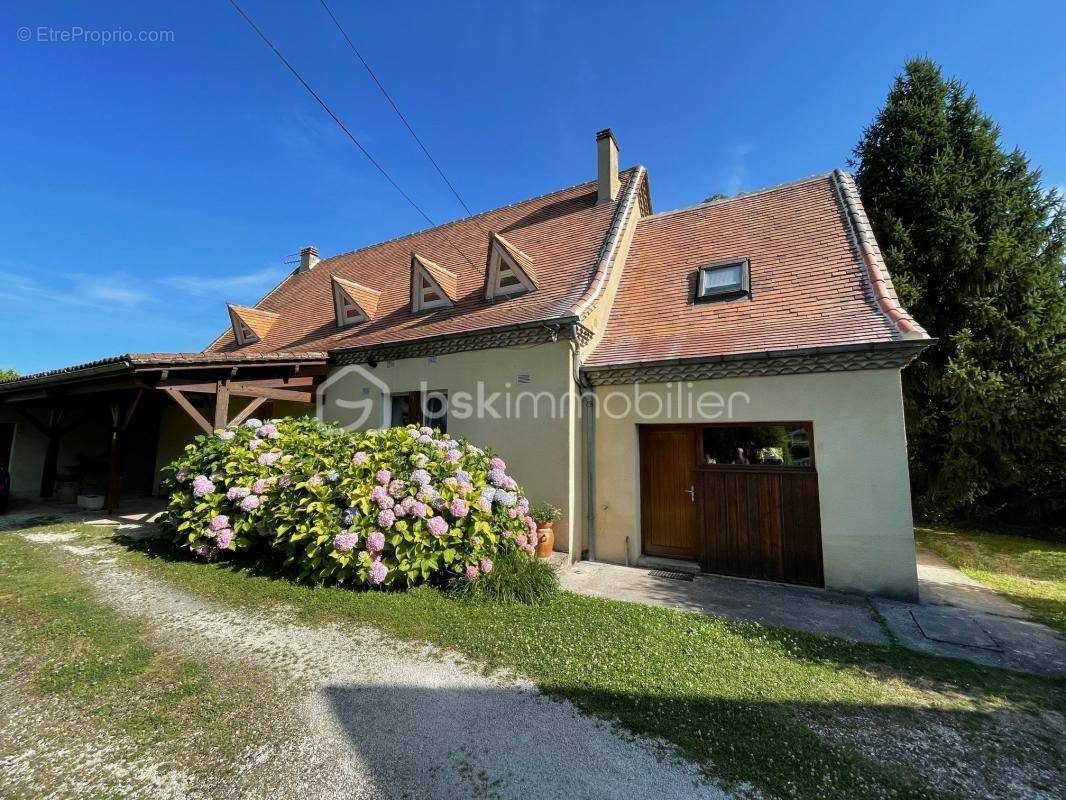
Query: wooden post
[(221, 403), (120, 420), (51, 456)]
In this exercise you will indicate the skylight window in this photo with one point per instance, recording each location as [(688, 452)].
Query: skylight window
[(724, 280)]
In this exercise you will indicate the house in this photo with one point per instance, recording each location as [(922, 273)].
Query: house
[(717, 385)]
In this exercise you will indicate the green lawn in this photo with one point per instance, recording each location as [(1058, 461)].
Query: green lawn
[(791, 714), (1031, 572)]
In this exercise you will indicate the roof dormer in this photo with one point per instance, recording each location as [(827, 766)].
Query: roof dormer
[(510, 271), (432, 286), (352, 302), (250, 325)]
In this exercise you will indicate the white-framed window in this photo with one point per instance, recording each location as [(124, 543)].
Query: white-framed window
[(352, 302), (432, 286), (510, 271), (723, 280)]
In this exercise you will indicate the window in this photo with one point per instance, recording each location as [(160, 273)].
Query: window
[(417, 408), (510, 271), (723, 280), (783, 445), (352, 302), (432, 286)]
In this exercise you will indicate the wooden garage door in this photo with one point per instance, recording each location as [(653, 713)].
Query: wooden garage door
[(760, 523)]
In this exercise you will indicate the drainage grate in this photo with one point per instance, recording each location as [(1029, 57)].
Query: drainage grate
[(671, 574)]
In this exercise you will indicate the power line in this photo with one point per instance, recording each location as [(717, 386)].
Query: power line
[(344, 128), (396, 108)]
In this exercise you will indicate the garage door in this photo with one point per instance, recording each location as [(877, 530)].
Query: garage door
[(739, 499)]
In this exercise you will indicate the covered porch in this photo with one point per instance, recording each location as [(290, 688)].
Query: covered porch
[(107, 428)]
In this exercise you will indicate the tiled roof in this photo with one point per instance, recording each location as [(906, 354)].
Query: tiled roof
[(562, 233), (815, 282)]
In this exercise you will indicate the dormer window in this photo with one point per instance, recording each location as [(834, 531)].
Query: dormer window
[(352, 302), (250, 325), (723, 280), (510, 271), (432, 286)]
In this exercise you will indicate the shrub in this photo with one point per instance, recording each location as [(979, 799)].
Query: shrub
[(515, 578), (394, 507), (545, 512)]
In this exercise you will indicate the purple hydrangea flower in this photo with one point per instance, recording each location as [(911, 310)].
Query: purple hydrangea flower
[(203, 550), (450, 444), (497, 477), (238, 493), (472, 572), (225, 536), (267, 459), (399, 511), (219, 522), (420, 476), (386, 502), (459, 508), (253, 423), (375, 542), (254, 444), (377, 573), (505, 499), (359, 458), (250, 503), (265, 430), (226, 435), (260, 486), (315, 480), (498, 463), (202, 485), (463, 476), (453, 455), (485, 566), (438, 526), (383, 477), (285, 481), (386, 518), (332, 476), (408, 503), (345, 541), (181, 474), (425, 438)]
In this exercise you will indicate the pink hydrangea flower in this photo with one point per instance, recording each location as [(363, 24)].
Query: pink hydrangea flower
[(531, 524), (383, 477), (225, 536), (512, 513), (475, 542), (386, 518), (238, 493), (386, 502), (438, 526), (399, 511), (522, 539), (345, 541), (484, 504), (472, 572), (316, 480), (219, 522), (397, 488), (459, 508), (534, 537), (267, 459), (408, 503), (453, 455), (226, 435), (485, 566), (420, 476), (530, 549), (425, 438), (250, 503), (377, 573), (425, 430), (254, 443), (498, 463), (265, 431), (259, 486), (359, 458), (202, 485), (378, 494), (375, 542), (203, 550), (419, 509)]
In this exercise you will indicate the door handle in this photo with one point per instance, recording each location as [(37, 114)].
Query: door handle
[(691, 490)]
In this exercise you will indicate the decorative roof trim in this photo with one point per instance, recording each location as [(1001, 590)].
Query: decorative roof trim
[(518, 263), (605, 264), (486, 339), (879, 355), (362, 297), (250, 325), (862, 237)]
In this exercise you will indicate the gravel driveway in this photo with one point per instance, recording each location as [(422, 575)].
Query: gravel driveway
[(373, 717)]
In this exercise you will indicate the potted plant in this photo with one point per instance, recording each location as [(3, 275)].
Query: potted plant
[(545, 515)]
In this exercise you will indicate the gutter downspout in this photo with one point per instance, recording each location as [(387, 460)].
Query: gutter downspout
[(589, 418)]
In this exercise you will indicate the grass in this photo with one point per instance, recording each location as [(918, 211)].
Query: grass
[(62, 647), (740, 699), (1030, 572)]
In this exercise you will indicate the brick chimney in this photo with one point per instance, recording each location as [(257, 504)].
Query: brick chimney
[(308, 258), (607, 182)]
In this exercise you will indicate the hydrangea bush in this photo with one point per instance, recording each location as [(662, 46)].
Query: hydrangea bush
[(393, 507)]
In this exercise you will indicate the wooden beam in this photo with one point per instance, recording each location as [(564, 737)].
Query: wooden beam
[(221, 403), (253, 390), (131, 408), (189, 409), (247, 410)]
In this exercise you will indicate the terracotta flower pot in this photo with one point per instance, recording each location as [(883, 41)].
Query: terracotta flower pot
[(545, 539)]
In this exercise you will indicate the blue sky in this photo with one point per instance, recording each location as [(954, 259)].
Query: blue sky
[(144, 185)]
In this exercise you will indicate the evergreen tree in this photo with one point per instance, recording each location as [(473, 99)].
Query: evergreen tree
[(8, 374), (975, 247)]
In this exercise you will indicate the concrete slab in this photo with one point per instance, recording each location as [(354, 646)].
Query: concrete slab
[(948, 626), (939, 583), (798, 608)]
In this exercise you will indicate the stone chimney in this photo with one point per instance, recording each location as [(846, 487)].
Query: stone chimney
[(308, 258), (606, 167)]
